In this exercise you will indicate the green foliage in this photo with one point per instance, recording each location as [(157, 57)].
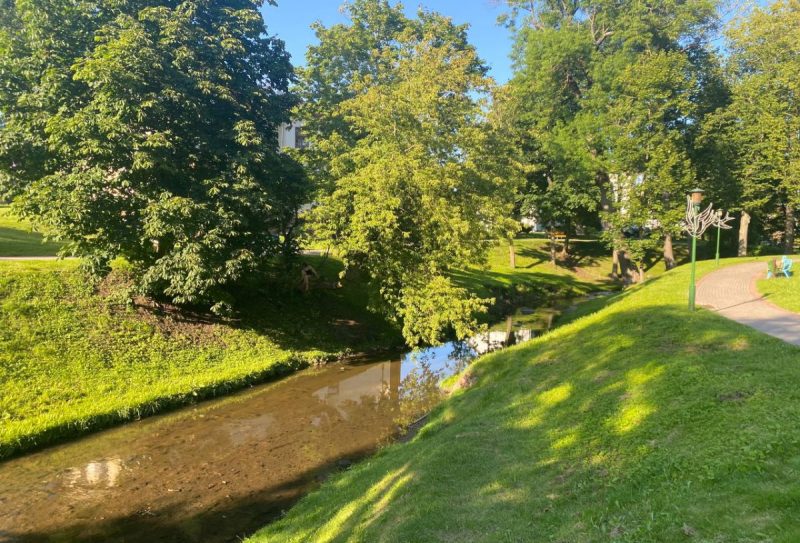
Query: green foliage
[(438, 305), (149, 132), (762, 124), (409, 185), (640, 423)]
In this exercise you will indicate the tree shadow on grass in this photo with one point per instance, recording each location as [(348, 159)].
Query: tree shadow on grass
[(651, 424), (16, 242)]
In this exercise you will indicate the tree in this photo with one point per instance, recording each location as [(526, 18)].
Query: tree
[(611, 91), (763, 120), (402, 153), (148, 131)]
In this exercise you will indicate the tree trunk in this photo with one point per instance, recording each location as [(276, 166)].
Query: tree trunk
[(552, 249), (744, 224), (669, 256), (510, 337), (788, 230), (627, 269), (607, 206), (512, 254)]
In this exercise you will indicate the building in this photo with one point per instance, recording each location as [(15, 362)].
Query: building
[(290, 135)]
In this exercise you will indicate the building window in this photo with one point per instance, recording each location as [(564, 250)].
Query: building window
[(299, 139)]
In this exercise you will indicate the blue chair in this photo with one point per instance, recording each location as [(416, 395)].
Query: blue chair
[(786, 267)]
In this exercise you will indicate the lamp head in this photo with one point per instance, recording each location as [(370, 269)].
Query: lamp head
[(697, 196)]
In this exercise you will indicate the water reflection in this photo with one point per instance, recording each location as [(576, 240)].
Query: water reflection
[(97, 473), (220, 470)]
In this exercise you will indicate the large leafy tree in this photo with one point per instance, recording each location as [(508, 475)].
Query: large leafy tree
[(612, 92), (762, 123), (147, 129), (410, 187)]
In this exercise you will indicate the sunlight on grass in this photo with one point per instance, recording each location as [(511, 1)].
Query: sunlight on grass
[(555, 395), (781, 291)]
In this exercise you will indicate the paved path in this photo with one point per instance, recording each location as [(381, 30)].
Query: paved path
[(28, 258), (731, 292)]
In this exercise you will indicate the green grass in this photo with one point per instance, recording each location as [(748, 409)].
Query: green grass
[(18, 239), (641, 422), (73, 360), (535, 279), (781, 291)]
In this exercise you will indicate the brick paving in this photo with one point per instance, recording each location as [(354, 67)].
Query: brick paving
[(731, 292)]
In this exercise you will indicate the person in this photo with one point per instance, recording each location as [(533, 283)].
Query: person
[(306, 273)]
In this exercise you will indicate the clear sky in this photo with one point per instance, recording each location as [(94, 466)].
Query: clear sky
[(291, 21)]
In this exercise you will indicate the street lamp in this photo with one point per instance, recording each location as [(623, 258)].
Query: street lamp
[(696, 223), (719, 229), (696, 198)]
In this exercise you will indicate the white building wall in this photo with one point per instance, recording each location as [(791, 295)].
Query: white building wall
[(288, 135)]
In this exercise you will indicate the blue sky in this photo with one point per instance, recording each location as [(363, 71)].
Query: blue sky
[(291, 20)]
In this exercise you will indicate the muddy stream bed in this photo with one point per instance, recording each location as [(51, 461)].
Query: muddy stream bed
[(219, 470)]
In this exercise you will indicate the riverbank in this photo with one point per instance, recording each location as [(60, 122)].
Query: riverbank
[(74, 357), (640, 422)]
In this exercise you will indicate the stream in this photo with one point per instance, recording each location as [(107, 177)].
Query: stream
[(219, 470)]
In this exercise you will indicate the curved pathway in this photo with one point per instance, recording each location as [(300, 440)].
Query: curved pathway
[(22, 258), (731, 292)]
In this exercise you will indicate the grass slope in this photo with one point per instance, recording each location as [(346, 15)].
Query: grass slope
[(782, 291), (72, 360), (638, 423), (587, 271), (18, 239)]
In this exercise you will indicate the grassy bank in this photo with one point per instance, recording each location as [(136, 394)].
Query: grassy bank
[(587, 270), (74, 358), (781, 291), (18, 239), (641, 422)]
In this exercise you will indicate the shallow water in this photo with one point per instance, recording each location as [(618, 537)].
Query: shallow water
[(220, 470)]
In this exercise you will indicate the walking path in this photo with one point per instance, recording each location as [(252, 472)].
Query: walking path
[(731, 292), (29, 258)]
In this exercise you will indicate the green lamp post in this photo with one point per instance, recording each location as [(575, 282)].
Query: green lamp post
[(695, 198), (719, 229), (697, 222)]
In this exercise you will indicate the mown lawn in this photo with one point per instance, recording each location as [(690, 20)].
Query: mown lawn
[(782, 291), (18, 239), (586, 270), (74, 358), (640, 423)]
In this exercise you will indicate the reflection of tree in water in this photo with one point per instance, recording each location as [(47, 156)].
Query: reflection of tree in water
[(419, 390), (460, 357)]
